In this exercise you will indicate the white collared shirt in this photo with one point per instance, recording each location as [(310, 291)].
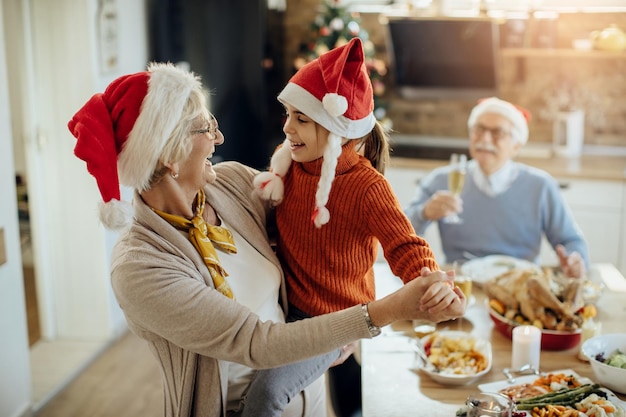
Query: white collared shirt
[(496, 183)]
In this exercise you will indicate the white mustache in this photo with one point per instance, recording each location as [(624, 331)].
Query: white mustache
[(486, 147)]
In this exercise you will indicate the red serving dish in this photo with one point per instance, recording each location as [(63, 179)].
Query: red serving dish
[(550, 339)]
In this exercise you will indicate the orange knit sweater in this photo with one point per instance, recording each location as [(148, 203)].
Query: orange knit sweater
[(331, 268)]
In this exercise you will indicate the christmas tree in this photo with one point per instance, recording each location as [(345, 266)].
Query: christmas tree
[(335, 26)]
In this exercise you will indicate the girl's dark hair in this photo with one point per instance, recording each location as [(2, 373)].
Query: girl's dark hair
[(375, 147)]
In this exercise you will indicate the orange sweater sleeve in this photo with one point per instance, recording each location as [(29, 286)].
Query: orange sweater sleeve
[(405, 252)]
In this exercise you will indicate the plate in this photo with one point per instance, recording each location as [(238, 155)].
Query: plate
[(484, 269), (526, 379), (481, 345)]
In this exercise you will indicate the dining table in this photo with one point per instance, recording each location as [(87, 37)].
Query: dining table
[(394, 385)]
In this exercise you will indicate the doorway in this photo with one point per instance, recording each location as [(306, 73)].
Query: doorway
[(28, 266), (72, 316)]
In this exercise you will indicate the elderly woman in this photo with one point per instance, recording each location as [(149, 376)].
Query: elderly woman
[(507, 206), (193, 270)]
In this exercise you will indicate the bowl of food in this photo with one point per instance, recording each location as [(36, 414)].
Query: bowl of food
[(550, 339), (607, 356), (455, 357)]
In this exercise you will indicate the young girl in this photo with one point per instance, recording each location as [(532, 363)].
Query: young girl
[(327, 236)]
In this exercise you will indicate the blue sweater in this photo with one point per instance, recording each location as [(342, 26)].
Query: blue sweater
[(510, 223)]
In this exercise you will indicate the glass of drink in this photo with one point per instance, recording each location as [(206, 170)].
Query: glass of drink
[(464, 282), (489, 404), (423, 327), (456, 181)]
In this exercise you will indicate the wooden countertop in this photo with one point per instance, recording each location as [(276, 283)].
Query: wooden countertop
[(591, 167), (393, 387)]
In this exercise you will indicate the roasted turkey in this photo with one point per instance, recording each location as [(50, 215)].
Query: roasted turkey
[(539, 297)]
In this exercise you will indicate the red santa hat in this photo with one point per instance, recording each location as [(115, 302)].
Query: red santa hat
[(121, 133), (517, 115), (336, 92)]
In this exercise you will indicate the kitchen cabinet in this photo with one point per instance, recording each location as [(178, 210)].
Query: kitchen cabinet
[(622, 249), (599, 207)]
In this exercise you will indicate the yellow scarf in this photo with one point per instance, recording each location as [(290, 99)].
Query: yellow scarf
[(203, 235)]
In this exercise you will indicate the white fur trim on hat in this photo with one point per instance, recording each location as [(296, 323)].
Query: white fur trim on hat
[(301, 99), (168, 88), (321, 216), (116, 214), (269, 185), (505, 109)]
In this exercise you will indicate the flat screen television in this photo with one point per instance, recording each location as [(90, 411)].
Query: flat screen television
[(444, 57)]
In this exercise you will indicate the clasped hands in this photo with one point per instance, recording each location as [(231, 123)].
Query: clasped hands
[(432, 296), (442, 300)]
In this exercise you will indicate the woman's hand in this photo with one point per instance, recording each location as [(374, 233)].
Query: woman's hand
[(442, 204), (572, 264)]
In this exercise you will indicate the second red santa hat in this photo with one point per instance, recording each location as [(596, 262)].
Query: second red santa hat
[(336, 92)]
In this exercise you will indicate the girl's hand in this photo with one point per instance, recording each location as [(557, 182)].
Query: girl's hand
[(450, 307), (346, 351), (442, 299)]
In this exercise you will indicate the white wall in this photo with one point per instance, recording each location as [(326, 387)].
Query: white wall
[(15, 384), (71, 248), (76, 248)]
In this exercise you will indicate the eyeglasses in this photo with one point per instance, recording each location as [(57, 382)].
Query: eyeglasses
[(496, 133), (211, 130)]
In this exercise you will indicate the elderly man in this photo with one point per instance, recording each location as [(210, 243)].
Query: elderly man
[(506, 207)]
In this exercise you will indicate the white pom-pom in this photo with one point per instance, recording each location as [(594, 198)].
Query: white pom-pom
[(321, 216), (116, 214), (270, 187), (335, 104)]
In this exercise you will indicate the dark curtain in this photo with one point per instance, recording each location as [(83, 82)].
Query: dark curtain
[(235, 45)]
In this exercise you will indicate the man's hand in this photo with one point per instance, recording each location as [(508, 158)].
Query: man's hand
[(442, 204), (572, 264)]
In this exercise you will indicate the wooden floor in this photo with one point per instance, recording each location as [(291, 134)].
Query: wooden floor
[(123, 381)]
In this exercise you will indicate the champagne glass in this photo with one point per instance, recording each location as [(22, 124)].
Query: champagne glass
[(456, 181)]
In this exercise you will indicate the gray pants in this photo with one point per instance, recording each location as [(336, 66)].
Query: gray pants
[(271, 389)]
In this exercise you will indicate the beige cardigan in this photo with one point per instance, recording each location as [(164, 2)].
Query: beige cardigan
[(167, 296)]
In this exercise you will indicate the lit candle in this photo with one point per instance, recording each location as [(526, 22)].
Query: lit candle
[(526, 346)]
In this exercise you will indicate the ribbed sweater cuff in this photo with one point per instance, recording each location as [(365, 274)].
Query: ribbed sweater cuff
[(349, 325)]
